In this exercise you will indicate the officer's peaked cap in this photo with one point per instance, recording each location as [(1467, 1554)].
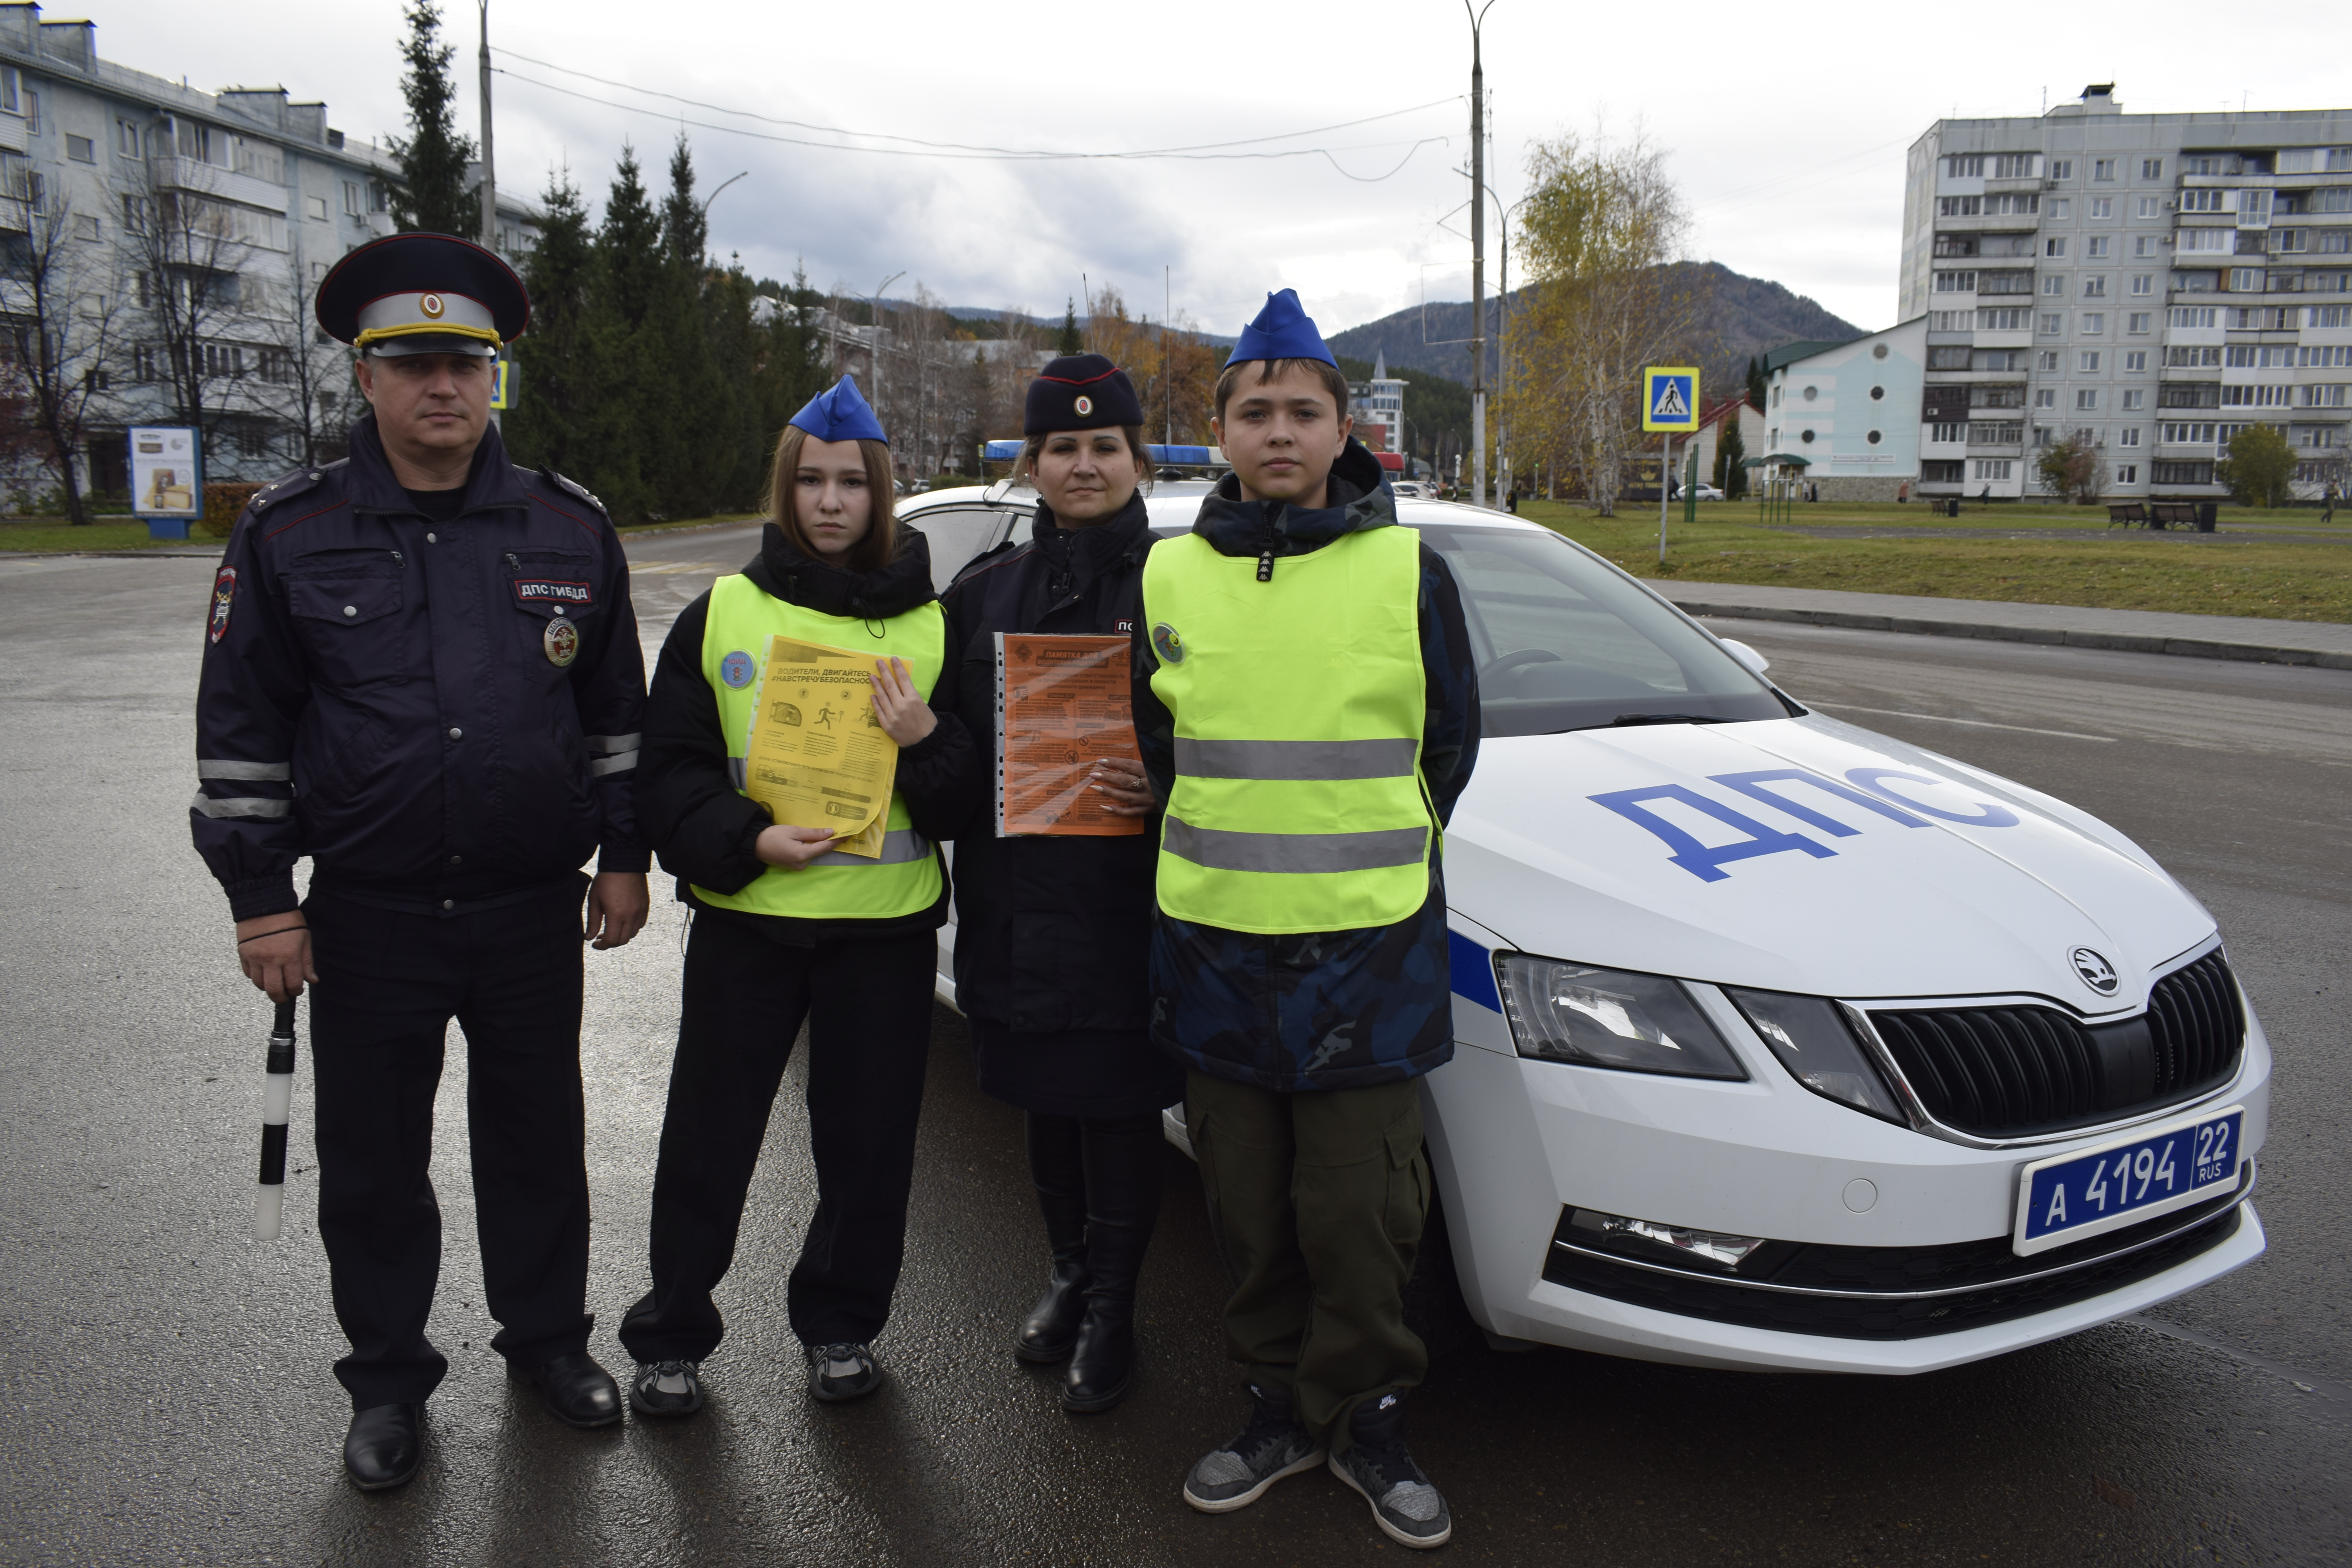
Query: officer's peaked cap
[(1282, 331), (1080, 392), (840, 413), (423, 294)]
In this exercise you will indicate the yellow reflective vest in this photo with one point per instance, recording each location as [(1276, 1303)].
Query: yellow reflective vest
[(1298, 703), (906, 881)]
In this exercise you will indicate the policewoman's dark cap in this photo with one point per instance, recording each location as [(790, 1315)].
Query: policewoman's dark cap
[(423, 294), (1080, 392)]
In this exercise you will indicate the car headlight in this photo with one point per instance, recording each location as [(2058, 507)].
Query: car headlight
[(1609, 1018), (1820, 1051)]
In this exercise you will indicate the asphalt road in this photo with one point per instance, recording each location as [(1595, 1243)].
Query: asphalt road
[(167, 1378)]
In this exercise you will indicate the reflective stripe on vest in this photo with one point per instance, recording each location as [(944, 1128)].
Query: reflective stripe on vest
[(1298, 705), (834, 886)]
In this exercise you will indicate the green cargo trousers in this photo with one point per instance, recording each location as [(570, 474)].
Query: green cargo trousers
[(1318, 1200)]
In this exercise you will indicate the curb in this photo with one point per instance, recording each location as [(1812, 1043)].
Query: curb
[(2124, 642)]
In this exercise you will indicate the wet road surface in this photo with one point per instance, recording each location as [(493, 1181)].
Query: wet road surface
[(167, 1379)]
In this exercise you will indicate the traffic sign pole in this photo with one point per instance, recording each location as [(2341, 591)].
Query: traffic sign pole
[(1669, 403), (1666, 464)]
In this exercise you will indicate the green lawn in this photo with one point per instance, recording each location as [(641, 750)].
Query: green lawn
[(2213, 574)]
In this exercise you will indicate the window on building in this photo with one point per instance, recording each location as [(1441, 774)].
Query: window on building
[(1955, 282), (2189, 357), (2061, 207), (1964, 168), (2139, 321), (2053, 287), (1959, 206), (2096, 287), (1947, 433), (2017, 166), (2127, 437), (2102, 206), (126, 139), (2050, 323), (2245, 279), (2045, 397), (2192, 316), (2135, 362), (33, 113), (85, 227), (2086, 399), (2151, 168), (2055, 246), (2147, 207), (2335, 395), (315, 207), (1993, 468), (81, 149), (2258, 395), (2143, 284), (2046, 362), (11, 90), (2004, 321), (2289, 241), (2096, 247), (2207, 201), (2186, 434), (2102, 168), (2127, 473), (2094, 323), (2061, 168), (354, 199)]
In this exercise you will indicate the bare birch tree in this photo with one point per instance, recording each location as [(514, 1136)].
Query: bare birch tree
[(64, 305)]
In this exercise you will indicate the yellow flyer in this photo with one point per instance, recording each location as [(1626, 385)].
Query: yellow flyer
[(817, 756)]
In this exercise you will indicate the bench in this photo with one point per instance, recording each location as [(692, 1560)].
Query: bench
[(2126, 512), (2168, 512)]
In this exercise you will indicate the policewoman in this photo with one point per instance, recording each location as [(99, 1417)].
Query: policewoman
[(420, 671), (788, 929), (1053, 934)]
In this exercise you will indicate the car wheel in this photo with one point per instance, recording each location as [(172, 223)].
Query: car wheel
[(1434, 1306)]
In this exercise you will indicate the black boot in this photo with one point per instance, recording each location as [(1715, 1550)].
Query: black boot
[(1123, 1165), (1057, 1167)]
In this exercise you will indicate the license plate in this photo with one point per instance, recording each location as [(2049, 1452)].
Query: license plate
[(2090, 1192)]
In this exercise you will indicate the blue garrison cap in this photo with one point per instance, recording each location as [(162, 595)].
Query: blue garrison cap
[(1282, 331), (840, 413)]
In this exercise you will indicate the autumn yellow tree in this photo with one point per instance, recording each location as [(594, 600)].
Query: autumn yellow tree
[(1156, 356), (1602, 224)]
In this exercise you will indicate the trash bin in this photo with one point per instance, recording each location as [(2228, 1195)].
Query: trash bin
[(2207, 513), (1952, 507)]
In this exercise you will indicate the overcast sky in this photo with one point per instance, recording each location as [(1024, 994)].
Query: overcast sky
[(1787, 128)]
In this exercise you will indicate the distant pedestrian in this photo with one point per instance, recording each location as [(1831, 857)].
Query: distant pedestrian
[(2329, 499)]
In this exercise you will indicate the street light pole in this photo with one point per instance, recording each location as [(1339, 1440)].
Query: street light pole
[(874, 343), (489, 176), (1477, 256)]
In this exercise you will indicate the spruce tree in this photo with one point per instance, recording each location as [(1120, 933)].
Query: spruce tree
[(555, 401), (695, 445), (432, 195), (1755, 384), (1731, 452), (1072, 340)]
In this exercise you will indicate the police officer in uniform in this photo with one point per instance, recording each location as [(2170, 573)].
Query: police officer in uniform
[(422, 671)]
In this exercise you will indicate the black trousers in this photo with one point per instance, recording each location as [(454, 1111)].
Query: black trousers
[(867, 1003), (389, 983)]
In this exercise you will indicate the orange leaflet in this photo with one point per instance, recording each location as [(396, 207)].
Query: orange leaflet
[(1062, 705)]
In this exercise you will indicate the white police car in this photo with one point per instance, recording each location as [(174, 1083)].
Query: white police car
[(1780, 1044)]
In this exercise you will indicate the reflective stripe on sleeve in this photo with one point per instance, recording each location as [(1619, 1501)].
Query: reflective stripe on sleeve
[(603, 765), (242, 805), (1221, 850), (229, 768), (899, 845), (738, 773), (616, 742), (1316, 761)]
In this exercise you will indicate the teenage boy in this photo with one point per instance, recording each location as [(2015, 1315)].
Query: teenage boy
[(1308, 710)]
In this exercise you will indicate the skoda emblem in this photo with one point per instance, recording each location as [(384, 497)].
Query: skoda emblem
[(2093, 970), (1167, 644), (432, 305), (1084, 406)]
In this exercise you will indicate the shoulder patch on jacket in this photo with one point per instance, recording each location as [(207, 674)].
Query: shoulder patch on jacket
[(560, 482)]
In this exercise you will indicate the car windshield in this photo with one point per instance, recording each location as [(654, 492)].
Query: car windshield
[(1564, 643)]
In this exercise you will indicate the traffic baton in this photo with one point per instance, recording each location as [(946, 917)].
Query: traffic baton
[(276, 1100)]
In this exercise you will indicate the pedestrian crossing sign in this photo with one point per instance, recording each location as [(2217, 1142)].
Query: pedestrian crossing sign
[(1669, 397)]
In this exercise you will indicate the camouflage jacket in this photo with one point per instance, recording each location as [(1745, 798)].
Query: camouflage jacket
[(1342, 1009)]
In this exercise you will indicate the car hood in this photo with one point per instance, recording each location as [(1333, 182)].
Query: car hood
[(1806, 855)]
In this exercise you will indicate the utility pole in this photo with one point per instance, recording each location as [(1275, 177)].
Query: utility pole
[(490, 179), (1478, 256)]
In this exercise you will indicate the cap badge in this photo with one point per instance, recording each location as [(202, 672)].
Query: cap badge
[(432, 305), (1084, 406), (562, 641)]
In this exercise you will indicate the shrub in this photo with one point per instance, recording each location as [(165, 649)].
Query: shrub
[(224, 503)]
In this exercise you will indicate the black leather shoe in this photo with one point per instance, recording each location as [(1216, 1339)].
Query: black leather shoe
[(579, 1391), (383, 1447), (1102, 1366), (1050, 1329)]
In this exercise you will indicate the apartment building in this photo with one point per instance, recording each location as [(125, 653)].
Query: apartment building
[(2154, 283), (189, 230), (1377, 405)]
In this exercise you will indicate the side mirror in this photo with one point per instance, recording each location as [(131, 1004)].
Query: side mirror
[(1746, 656)]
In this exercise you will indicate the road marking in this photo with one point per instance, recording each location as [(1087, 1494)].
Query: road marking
[(1972, 723), (2310, 1382)]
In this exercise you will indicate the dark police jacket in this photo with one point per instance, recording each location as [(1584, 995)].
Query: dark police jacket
[(1321, 1010), (379, 693), (1052, 933)]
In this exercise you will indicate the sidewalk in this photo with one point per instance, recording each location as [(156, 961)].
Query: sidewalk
[(2326, 644)]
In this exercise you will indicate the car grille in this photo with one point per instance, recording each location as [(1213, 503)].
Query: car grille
[(2002, 1071), (1894, 1293)]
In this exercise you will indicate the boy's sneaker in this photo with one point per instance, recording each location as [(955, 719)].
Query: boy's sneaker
[(667, 1388), (1273, 1445), (1405, 1505), (840, 1372)]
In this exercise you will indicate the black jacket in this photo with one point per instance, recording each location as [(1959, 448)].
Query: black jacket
[(696, 819), (380, 691), (1322, 1009), (1052, 933)]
